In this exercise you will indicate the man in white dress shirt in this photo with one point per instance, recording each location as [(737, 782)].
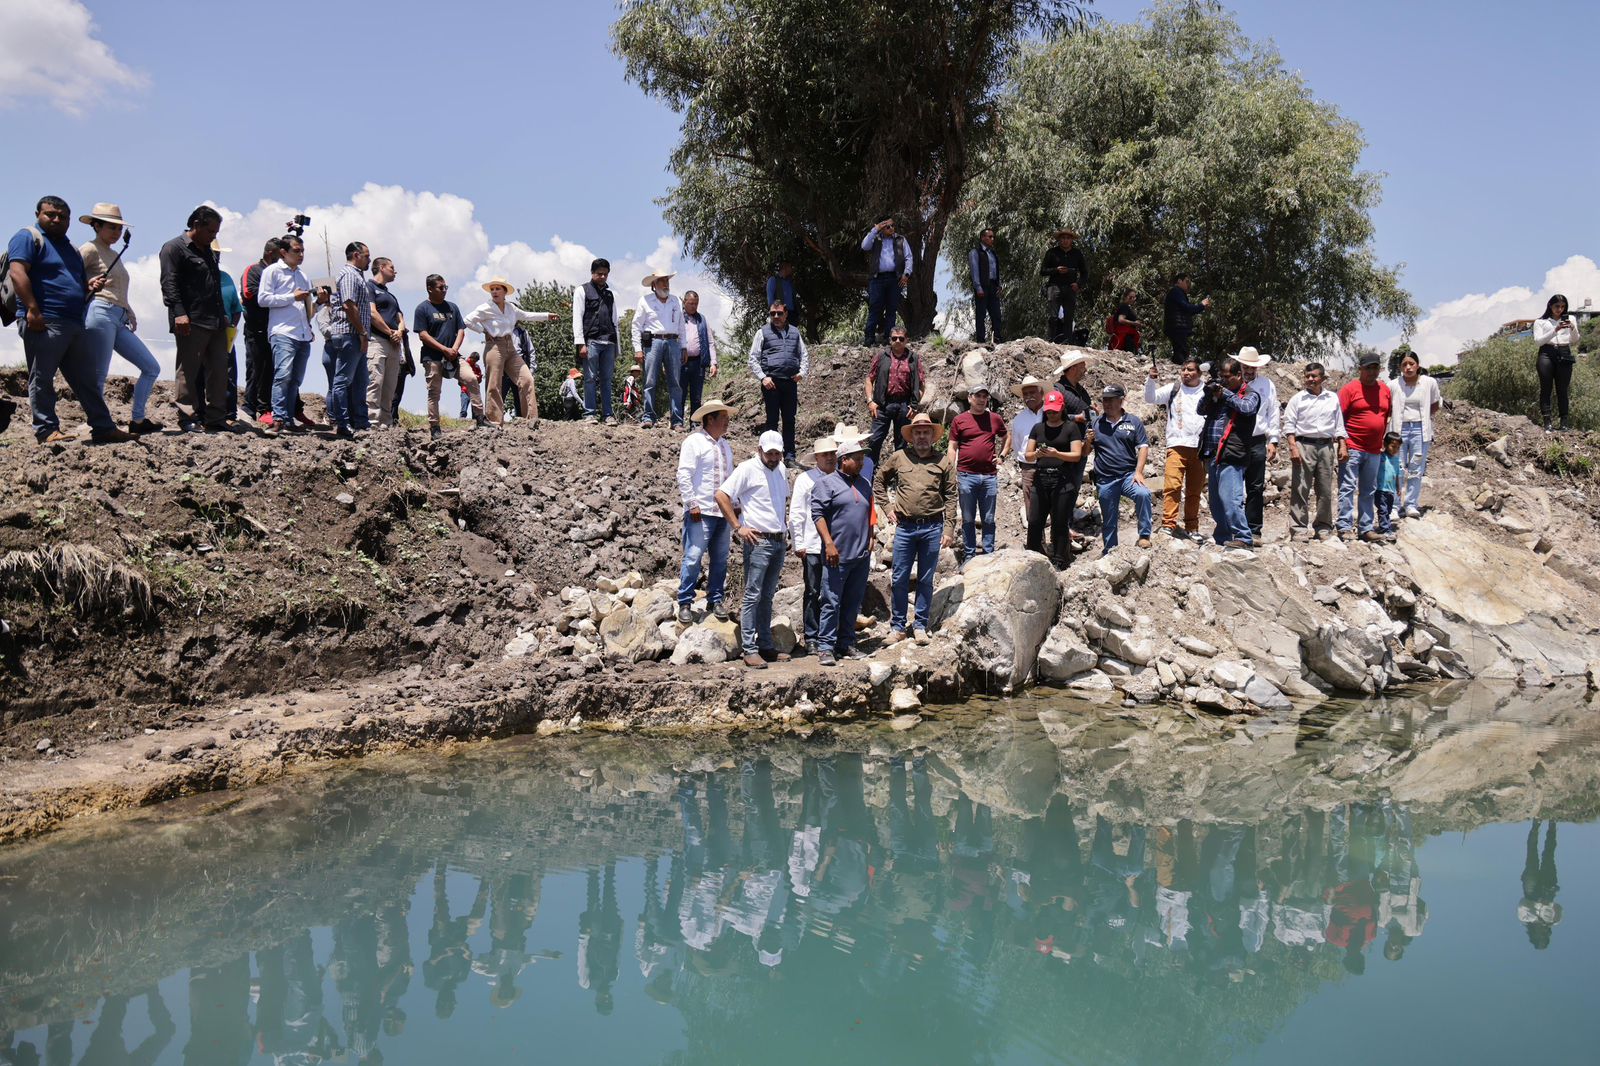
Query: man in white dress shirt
[(754, 502), (1031, 391), (495, 320), (660, 317), (806, 542), (1313, 424), (1264, 445), (704, 462)]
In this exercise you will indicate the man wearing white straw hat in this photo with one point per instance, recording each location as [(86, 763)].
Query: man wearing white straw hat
[(1264, 444), (495, 320), (753, 501), (804, 539), (1030, 390), (925, 495), (658, 326), (704, 462), (841, 509)]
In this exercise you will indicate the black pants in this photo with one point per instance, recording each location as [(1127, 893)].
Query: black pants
[(892, 416), (258, 371), (987, 306), (1180, 347), (399, 393), (1054, 496), (1255, 485), (782, 401), (1555, 371), (1062, 309), (811, 604)]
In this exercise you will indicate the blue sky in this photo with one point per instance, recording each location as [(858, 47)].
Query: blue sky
[(515, 116)]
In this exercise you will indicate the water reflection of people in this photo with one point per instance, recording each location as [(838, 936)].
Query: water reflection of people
[(657, 943), (219, 1015), (848, 837), (394, 965), (449, 959), (290, 1025), (1353, 832), (1052, 891), (600, 937), (354, 969), (757, 899), (1298, 880), (1538, 911), (1401, 909), (107, 1046)]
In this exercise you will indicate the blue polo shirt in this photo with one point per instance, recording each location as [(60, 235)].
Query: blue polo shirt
[(1117, 444), (232, 306), (56, 272), (847, 505)]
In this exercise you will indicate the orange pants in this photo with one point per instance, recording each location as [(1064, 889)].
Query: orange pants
[(1185, 477)]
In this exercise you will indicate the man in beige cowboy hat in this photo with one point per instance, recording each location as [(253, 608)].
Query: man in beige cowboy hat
[(925, 495), (659, 317), (1080, 409), (1264, 444), (804, 539), (1065, 273), (1030, 390), (496, 319), (704, 462)]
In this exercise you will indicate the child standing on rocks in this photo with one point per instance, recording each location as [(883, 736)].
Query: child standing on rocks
[(1388, 485)]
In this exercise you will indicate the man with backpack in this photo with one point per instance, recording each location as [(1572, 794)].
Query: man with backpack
[(45, 285)]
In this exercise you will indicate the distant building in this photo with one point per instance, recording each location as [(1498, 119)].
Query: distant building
[(1523, 327)]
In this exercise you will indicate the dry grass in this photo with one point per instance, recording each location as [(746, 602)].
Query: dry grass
[(77, 576)]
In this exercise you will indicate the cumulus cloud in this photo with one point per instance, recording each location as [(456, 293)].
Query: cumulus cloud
[(48, 51), (423, 232), (1449, 327)]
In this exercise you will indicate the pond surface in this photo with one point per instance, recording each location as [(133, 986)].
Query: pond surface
[(1043, 883)]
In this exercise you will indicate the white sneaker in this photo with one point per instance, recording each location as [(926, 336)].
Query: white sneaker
[(1412, 512)]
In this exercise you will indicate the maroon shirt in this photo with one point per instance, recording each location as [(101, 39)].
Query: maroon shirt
[(900, 387), (975, 437)]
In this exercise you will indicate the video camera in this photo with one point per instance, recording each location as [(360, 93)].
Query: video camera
[(296, 226)]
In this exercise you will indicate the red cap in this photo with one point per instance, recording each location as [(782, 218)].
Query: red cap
[(1055, 402)]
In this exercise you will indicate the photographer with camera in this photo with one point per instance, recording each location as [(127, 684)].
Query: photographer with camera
[(439, 326), (1229, 408), (894, 388), (1555, 333)]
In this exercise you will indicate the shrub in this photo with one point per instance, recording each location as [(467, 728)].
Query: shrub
[(1501, 374)]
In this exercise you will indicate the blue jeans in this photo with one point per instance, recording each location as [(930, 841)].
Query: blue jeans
[(916, 540), (1358, 481), (844, 587), (1225, 488), (599, 367), (691, 387), (288, 370), (1111, 491), (664, 357), (763, 567), (65, 346), (707, 534), (1383, 510), (107, 325), (883, 302), (1413, 461), (979, 492), (348, 381)]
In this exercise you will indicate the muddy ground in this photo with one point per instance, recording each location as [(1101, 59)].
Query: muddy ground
[(320, 597)]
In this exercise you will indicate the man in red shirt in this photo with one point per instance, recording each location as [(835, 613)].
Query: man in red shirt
[(1366, 405), (977, 437), (894, 388)]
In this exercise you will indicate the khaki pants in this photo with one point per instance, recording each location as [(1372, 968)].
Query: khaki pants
[(204, 350), (1026, 470), (383, 371), (1317, 472), (1186, 478), (501, 363), (434, 369)]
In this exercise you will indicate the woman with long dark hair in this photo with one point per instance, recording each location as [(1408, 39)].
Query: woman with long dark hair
[(1556, 333), (1416, 401)]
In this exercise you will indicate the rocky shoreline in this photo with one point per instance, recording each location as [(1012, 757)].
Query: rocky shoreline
[(232, 609)]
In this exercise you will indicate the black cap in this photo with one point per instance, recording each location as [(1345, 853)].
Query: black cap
[(1111, 392), (1371, 359)]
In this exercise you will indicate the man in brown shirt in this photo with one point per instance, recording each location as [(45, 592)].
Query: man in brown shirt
[(924, 480)]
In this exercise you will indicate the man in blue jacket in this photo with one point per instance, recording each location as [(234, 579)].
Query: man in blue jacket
[(1229, 407), (983, 265), (1178, 315)]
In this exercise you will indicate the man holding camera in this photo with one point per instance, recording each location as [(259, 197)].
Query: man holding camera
[(1229, 408), (439, 325), (894, 387), (889, 269)]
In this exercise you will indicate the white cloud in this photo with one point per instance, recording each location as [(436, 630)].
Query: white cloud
[(1447, 328), (423, 232), (48, 51)]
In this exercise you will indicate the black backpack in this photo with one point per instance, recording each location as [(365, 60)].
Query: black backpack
[(8, 292)]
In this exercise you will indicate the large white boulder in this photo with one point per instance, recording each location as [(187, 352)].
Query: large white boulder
[(998, 611)]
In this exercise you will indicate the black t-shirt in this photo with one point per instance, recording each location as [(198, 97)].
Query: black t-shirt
[(442, 322), (388, 307), (1124, 311), (1061, 436)]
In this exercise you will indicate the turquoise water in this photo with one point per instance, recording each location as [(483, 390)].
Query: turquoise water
[(1048, 884)]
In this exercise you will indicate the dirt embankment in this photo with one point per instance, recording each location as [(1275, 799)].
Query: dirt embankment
[(168, 604)]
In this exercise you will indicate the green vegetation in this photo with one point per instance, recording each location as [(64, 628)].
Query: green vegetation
[(1176, 143), (1501, 374), (1562, 461)]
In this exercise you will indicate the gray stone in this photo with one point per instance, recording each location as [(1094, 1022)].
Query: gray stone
[(998, 612), (345, 500), (1125, 645), (904, 699), (784, 636), (1092, 681), (1338, 655), (1063, 655), (1469, 462), (902, 722), (1115, 667), (1196, 646), (1165, 672), (1231, 674), (523, 644), (1201, 603), (1326, 595), (1498, 450), (709, 642), (44, 745), (1265, 694), (1114, 614)]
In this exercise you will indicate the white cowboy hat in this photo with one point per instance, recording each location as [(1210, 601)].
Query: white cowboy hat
[(105, 213), (1248, 356), (650, 280), (1070, 361), (846, 434), (825, 446), (502, 282), (1022, 386), (710, 407)]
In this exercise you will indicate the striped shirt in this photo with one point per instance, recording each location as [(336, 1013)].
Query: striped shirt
[(352, 286)]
